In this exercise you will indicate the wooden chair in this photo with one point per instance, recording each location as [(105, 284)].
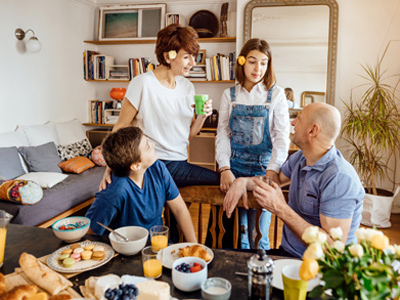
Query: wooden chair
[(213, 196)]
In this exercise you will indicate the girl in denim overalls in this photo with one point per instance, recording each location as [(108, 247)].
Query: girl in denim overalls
[(253, 130)]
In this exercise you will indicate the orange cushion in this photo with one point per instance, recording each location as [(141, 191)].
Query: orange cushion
[(76, 165)]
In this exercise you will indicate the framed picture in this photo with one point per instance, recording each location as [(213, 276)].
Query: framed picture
[(130, 22), (201, 57)]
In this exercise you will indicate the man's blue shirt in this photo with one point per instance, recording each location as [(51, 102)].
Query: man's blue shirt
[(123, 203), (331, 187)]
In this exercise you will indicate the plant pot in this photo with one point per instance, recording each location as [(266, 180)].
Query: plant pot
[(377, 209)]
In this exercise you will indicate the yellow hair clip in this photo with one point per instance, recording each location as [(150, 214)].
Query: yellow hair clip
[(172, 54), (241, 60)]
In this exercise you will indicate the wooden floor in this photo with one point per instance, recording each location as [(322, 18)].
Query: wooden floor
[(393, 233)]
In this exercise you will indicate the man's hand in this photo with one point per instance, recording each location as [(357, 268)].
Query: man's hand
[(237, 190), (269, 197)]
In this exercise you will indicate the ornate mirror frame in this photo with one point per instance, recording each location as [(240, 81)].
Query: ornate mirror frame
[(333, 33)]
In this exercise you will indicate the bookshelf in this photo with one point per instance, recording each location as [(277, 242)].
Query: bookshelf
[(153, 41)]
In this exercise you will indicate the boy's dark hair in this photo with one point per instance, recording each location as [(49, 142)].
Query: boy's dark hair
[(176, 37), (121, 149), (256, 44)]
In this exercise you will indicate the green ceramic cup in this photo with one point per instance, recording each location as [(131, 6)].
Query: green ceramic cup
[(293, 287), (199, 101)]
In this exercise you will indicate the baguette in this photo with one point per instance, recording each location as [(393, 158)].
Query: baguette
[(20, 292), (42, 275)]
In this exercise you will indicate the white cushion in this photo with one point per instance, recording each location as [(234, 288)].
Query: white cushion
[(39, 134), (44, 179), (14, 139), (70, 132)]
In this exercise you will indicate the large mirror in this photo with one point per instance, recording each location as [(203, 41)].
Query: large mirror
[(303, 39)]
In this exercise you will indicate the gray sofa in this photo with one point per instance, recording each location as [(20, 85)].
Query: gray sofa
[(63, 199), (36, 157)]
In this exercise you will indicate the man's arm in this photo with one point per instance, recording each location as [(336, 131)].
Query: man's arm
[(239, 190), (272, 199), (182, 215)]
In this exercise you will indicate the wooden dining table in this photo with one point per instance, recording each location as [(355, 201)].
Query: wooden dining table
[(41, 242)]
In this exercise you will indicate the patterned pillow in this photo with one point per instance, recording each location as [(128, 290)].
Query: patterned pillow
[(20, 191), (82, 148), (97, 157), (76, 165)]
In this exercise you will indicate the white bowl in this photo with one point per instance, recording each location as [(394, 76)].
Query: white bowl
[(189, 282), (216, 288), (137, 236), (73, 235)]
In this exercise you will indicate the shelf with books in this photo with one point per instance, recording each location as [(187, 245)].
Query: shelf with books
[(153, 41), (194, 81)]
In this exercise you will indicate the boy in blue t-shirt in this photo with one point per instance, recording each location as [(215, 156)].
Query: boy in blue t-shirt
[(140, 187)]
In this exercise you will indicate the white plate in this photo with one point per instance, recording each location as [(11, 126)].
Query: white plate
[(170, 254), (277, 280), (82, 265)]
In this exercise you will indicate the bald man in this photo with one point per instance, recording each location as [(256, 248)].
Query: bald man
[(325, 190)]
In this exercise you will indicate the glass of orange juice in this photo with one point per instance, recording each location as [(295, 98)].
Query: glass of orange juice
[(159, 237), (152, 262), (5, 218)]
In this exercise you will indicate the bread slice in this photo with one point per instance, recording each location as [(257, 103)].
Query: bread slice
[(42, 275)]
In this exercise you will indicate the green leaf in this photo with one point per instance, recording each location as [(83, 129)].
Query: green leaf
[(316, 292), (333, 278)]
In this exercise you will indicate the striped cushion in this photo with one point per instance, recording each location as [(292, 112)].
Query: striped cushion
[(76, 165)]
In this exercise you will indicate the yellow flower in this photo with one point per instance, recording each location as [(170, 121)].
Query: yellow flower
[(310, 235), (321, 237), (172, 54), (339, 246), (356, 250), (369, 233), (308, 269), (241, 60), (336, 233), (397, 250), (380, 242), (314, 251), (360, 234)]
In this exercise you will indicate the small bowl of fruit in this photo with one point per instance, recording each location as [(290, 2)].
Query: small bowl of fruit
[(188, 273), (71, 229)]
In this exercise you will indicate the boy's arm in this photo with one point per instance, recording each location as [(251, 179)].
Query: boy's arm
[(182, 215)]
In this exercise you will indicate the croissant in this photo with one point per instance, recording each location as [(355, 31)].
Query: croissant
[(196, 251), (2, 284), (20, 292)]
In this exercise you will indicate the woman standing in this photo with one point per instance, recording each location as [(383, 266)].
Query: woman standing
[(253, 130), (160, 102)]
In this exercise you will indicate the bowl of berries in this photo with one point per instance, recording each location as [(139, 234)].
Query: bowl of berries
[(71, 229), (188, 273)]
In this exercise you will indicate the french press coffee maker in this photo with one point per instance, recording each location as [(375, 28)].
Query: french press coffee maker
[(260, 268)]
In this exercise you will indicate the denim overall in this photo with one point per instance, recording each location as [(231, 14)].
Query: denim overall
[(251, 149)]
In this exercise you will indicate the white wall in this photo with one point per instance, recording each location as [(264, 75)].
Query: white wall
[(365, 29), (48, 85)]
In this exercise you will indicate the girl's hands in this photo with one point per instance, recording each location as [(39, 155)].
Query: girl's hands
[(227, 179)]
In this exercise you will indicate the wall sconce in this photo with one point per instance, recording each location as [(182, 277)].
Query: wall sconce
[(33, 45)]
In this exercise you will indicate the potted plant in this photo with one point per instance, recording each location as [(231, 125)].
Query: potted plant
[(369, 269), (371, 126)]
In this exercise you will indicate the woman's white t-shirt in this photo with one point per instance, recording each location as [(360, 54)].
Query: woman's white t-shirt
[(164, 114)]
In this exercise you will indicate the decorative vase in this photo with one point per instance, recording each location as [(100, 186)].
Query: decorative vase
[(118, 93)]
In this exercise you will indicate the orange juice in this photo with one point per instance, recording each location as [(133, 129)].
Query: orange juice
[(152, 268), (159, 242), (3, 232)]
